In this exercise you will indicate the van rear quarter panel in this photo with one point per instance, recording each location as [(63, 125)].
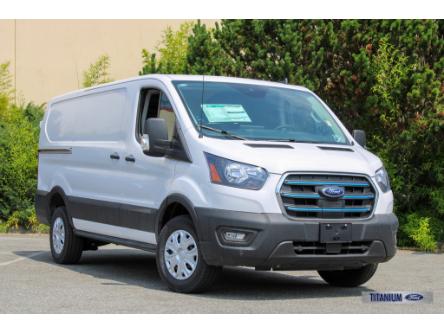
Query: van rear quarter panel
[(93, 125)]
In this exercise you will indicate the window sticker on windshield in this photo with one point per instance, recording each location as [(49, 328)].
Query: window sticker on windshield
[(230, 113)]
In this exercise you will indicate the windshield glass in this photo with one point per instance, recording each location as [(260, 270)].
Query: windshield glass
[(259, 112)]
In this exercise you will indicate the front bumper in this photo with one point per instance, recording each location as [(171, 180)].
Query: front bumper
[(275, 238)]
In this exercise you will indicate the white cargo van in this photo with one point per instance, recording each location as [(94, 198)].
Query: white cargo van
[(213, 171)]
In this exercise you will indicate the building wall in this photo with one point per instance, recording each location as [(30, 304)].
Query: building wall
[(48, 57)]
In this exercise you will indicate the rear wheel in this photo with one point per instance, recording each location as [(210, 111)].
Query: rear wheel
[(179, 260), (349, 277), (66, 247)]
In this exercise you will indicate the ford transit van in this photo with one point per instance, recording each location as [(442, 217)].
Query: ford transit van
[(207, 172)]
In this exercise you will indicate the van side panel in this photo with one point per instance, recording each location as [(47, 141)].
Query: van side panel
[(80, 138)]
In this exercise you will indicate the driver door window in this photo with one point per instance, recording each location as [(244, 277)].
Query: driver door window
[(166, 112), (157, 105)]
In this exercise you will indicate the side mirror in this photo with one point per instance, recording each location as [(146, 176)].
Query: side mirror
[(158, 136), (359, 136)]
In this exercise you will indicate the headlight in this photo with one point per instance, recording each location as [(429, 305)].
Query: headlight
[(236, 174), (382, 179)]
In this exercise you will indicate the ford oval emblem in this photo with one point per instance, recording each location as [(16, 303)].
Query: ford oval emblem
[(332, 192), (414, 297)]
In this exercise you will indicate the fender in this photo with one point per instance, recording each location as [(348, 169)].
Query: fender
[(180, 199), (58, 190)]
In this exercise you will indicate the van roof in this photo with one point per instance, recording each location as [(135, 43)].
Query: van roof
[(176, 77)]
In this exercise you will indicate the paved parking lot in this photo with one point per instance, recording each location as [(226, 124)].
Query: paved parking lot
[(121, 280)]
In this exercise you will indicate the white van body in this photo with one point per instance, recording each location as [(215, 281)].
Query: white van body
[(93, 162)]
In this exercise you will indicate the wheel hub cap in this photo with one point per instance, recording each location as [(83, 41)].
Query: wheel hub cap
[(181, 254), (58, 235)]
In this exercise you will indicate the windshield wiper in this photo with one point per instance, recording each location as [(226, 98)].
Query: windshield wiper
[(223, 132)]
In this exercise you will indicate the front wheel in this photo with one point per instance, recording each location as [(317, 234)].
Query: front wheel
[(349, 277), (179, 260)]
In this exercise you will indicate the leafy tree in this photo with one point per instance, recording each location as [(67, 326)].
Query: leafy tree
[(97, 73), (202, 47), (172, 51), (6, 88), (151, 64)]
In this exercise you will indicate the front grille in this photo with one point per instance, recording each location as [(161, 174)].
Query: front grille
[(309, 248), (302, 196)]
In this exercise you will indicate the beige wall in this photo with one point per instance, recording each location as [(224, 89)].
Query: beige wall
[(48, 56)]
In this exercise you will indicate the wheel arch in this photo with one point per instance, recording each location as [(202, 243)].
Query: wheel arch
[(57, 198), (175, 205)]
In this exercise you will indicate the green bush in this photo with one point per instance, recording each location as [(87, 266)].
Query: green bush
[(418, 229), (23, 221), (18, 153), (19, 130)]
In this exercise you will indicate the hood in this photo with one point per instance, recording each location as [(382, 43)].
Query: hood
[(281, 157)]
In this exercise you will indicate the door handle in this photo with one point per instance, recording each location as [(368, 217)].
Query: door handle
[(114, 156), (130, 158)]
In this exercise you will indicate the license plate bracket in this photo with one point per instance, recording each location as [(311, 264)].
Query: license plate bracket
[(335, 232)]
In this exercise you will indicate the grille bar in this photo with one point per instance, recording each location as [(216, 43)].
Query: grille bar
[(317, 196), (314, 183), (302, 196), (329, 210)]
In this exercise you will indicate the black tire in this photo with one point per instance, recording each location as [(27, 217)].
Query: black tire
[(72, 245), (202, 277), (349, 277)]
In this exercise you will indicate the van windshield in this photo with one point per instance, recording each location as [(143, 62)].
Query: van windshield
[(258, 112)]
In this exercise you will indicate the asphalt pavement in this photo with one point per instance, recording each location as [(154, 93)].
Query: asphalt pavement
[(117, 279)]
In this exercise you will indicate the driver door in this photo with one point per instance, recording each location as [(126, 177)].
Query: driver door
[(147, 178)]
